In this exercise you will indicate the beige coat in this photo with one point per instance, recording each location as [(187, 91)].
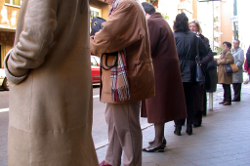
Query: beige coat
[(126, 28), (223, 77), (50, 86)]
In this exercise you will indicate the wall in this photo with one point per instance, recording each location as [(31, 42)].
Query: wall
[(226, 25)]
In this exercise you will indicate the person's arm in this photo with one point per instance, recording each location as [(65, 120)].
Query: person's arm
[(209, 57), (240, 59), (246, 65), (228, 59), (154, 35), (119, 31), (248, 56), (34, 40), (203, 51)]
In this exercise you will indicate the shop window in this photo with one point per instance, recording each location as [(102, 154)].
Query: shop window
[(13, 2)]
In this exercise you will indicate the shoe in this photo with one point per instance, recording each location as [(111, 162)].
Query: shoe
[(164, 142), (235, 100), (154, 149), (103, 163), (197, 125), (222, 102), (177, 130), (189, 130), (227, 103)]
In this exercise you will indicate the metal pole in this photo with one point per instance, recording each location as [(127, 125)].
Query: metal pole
[(211, 94), (211, 100)]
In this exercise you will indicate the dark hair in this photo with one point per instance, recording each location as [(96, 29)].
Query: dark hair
[(229, 45), (181, 23), (148, 7)]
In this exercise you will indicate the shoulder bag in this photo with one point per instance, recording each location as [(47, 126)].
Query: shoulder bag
[(231, 68)]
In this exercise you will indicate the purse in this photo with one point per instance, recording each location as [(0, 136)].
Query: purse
[(200, 73), (231, 68)]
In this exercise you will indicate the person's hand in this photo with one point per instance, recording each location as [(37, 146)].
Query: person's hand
[(218, 62)]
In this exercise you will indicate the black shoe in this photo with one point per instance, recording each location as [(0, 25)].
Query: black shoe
[(197, 125), (154, 149), (235, 100), (189, 130), (177, 130), (164, 142)]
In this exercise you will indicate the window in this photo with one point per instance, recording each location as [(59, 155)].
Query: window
[(94, 13), (13, 2)]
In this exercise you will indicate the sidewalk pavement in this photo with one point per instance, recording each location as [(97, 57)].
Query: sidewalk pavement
[(223, 139)]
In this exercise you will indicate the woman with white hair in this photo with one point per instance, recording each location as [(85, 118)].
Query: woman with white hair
[(200, 95)]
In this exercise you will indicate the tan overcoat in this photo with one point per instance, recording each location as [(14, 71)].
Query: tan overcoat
[(126, 29), (50, 117), (169, 102), (223, 77)]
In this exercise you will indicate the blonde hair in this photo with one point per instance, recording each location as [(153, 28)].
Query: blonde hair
[(197, 24)]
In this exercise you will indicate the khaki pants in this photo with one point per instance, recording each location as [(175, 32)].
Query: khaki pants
[(124, 132)]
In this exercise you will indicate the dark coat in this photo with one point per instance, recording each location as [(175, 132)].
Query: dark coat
[(169, 102), (208, 63), (248, 56), (186, 47)]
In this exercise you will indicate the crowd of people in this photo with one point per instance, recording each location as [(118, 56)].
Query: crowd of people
[(145, 69)]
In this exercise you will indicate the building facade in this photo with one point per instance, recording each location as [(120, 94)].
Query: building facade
[(8, 21), (9, 16)]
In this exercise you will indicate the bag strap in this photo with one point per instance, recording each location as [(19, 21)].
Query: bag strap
[(106, 61), (197, 50)]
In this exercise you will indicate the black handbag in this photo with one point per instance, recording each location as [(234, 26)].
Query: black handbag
[(200, 73), (96, 25)]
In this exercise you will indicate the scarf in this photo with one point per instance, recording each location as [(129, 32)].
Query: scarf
[(119, 78)]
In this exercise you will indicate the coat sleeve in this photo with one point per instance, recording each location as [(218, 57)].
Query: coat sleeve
[(209, 56), (248, 56), (246, 67), (228, 59), (203, 51), (119, 31), (154, 35), (239, 60), (34, 40)]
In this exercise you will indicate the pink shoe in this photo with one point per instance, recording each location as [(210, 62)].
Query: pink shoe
[(103, 163)]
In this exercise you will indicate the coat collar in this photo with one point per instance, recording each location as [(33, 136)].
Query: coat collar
[(155, 15)]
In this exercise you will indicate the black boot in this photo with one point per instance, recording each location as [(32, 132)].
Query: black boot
[(189, 130), (177, 130)]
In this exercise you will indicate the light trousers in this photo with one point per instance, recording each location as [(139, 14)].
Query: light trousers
[(125, 135)]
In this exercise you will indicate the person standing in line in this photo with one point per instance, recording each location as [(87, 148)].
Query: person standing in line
[(50, 123), (187, 43), (225, 78), (169, 102), (127, 78), (200, 94), (238, 55)]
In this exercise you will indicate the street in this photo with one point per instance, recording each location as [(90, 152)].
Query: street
[(99, 130)]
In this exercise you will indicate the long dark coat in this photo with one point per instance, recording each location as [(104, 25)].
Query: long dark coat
[(169, 102)]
